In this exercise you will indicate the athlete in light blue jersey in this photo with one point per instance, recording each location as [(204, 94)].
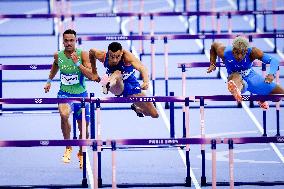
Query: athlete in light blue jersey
[(238, 60), (120, 76)]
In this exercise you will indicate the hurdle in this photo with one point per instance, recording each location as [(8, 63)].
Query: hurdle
[(153, 99), (183, 67), (156, 142), (229, 98), (177, 142), (32, 143), (152, 38)]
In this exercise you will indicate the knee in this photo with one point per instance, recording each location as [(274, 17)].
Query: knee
[(64, 117), (155, 115), (235, 76)]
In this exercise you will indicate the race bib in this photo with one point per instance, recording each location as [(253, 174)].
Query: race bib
[(69, 79), (126, 75)]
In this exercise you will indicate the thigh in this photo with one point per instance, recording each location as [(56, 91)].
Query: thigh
[(146, 106), (64, 109), (118, 88), (235, 76), (257, 85)]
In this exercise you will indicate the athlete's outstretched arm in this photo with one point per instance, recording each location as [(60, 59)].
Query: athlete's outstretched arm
[(85, 66), (95, 54), (130, 58), (217, 49), (267, 59), (53, 71)]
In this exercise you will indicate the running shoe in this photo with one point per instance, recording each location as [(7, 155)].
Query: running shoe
[(67, 155), (80, 157), (134, 108), (263, 104), (232, 87), (106, 88), (105, 84)]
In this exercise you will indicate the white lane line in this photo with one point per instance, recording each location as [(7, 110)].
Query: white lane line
[(89, 170)]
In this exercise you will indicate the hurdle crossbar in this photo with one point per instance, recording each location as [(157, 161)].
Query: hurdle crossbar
[(144, 14)]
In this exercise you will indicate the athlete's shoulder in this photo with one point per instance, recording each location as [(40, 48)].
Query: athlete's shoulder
[(255, 53), (128, 56), (55, 55)]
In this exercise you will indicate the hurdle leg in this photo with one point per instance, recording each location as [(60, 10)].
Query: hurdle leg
[(188, 177), (84, 181), (166, 61), (74, 127), (98, 137), (264, 123), (113, 155), (202, 128), (1, 87), (231, 163), (278, 106), (92, 117), (153, 66), (213, 147), (183, 94), (278, 118), (95, 166), (172, 117)]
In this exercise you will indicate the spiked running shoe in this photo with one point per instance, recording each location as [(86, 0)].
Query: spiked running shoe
[(106, 88), (105, 84), (232, 87), (264, 105), (80, 157), (134, 108), (67, 155)]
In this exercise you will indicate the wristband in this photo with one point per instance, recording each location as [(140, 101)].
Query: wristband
[(78, 64), (48, 81)]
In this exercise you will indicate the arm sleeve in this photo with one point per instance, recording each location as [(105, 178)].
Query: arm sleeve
[(274, 63)]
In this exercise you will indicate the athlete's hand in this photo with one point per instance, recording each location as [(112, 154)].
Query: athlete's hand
[(145, 85), (269, 78), (211, 68), (47, 87), (74, 57), (97, 78)]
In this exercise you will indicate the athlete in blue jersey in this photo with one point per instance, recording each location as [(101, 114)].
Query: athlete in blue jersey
[(120, 76), (238, 60)]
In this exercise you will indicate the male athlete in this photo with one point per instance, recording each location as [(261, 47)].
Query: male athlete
[(238, 60), (120, 76), (74, 66)]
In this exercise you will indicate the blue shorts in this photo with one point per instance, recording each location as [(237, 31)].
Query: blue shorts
[(131, 87), (76, 107), (255, 84)]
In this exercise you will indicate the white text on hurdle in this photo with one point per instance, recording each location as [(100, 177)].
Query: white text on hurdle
[(163, 141)]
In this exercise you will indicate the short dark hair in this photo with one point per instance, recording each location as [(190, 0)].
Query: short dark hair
[(114, 46), (69, 31)]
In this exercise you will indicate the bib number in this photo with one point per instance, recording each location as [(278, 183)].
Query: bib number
[(69, 79)]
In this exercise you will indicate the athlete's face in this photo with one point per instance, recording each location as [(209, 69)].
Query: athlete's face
[(69, 42), (114, 57), (239, 54)]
